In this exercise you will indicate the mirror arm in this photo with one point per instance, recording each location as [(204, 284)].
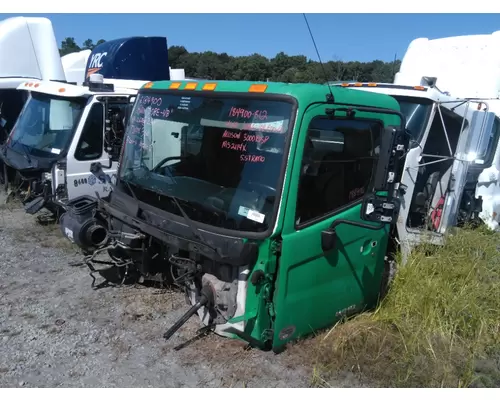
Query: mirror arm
[(375, 110), (96, 166), (340, 221), (329, 236)]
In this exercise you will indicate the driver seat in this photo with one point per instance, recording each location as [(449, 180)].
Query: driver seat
[(221, 165)]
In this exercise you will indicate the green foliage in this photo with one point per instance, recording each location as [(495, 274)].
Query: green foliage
[(281, 68), (439, 326), (255, 67), (69, 45)]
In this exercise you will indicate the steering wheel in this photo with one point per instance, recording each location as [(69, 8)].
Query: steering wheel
[(160, 164)]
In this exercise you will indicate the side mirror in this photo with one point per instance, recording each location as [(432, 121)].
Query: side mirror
[(393, 144), (328, 239), (384, 207), (481, 128), (96, 169)]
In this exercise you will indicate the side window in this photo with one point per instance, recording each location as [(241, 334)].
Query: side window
[(117, 115), (492, 144), (339, 161), (91, 140)]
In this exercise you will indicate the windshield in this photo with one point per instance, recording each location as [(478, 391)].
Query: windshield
[(417, 111), (45, 126), (221, 157)]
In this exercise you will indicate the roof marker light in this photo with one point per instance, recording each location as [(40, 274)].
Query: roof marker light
[(191, 86), (209, 86), (257, 88)]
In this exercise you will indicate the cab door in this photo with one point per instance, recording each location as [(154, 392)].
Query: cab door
[(334, 167), (86, 148)]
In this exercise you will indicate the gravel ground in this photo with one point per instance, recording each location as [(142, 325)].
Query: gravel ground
[(55, 331)]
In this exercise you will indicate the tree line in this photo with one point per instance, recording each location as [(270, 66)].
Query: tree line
[(256, 67), (69, 45)]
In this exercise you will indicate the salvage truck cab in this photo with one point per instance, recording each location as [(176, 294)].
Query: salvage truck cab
[(64, 128), (452, 141), (61, 131), (270, 204)]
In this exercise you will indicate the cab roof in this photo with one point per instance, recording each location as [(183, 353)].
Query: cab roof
[(63, 89), (304, 93), (392, 89)]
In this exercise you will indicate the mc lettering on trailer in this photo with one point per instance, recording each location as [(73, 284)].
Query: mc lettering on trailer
[(96, 63)]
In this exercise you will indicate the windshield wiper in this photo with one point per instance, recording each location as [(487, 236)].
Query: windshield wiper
[(25, 148), (129, 188), (196, 231)]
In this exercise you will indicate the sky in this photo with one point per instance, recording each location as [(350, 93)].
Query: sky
[(346, 37)]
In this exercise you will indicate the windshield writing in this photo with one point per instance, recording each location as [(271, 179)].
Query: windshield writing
[(46, 124), (220, 157)]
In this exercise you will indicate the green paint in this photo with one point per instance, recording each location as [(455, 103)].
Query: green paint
[(303, 289)]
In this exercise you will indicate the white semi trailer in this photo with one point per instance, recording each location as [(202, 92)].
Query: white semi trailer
[(28, 51)]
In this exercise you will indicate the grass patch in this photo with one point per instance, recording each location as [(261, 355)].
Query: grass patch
[(439, 321)]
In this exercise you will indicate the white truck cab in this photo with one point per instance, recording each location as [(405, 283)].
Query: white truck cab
[(61, 131), (447, 137), (468, 67), (28, 51), (65, 129)]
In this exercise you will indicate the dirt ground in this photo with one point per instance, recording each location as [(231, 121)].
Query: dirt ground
[(55, 331)]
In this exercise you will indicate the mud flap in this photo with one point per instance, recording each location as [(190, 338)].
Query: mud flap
[(35, 205)]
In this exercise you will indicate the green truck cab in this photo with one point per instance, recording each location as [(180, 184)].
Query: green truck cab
[(271, 205)]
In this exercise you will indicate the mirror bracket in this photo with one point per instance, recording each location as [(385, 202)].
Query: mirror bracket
[(96, 169), (382, 209), (329, 236)]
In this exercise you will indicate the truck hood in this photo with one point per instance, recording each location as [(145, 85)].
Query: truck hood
[(18, 160)]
